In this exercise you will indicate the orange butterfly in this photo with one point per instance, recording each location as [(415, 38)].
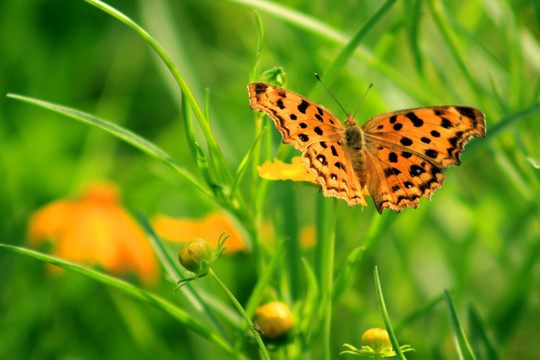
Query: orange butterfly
[(399, 155)]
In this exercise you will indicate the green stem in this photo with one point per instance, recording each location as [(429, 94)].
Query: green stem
[(242, 312)]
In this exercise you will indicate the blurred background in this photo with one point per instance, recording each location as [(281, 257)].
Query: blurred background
[(478, 237)]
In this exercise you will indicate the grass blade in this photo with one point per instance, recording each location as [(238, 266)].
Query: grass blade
[(213, 146), (462, 345), (184, 318), (244, 163), (479, 331), (349, 49), (323, 30), (118, 131), (386, 318)]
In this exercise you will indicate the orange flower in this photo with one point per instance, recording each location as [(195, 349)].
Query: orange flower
[(95, 229), (279, 170), (209, 228)]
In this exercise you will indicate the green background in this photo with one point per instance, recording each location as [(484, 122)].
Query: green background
[(478, 237)]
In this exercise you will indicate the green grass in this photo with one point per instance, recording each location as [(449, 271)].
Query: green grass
[(459, 274)]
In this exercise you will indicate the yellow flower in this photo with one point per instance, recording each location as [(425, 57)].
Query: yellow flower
[(377, 339), (95, 230), (274, 320), (195, 256), (182, 230), (279, 170)]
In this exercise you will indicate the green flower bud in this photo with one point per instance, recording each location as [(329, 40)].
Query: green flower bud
[(377, 339), (274, 320), (195, 256)]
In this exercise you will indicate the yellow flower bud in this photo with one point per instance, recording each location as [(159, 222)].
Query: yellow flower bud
[(274, 320), (377, 339), (195, 256)]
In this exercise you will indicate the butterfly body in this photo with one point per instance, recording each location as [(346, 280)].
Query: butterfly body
[(398, 156)]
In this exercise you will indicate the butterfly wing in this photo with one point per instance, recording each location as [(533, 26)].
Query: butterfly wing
[(406, 151), (330, 162), (300, 120), (315, 131)]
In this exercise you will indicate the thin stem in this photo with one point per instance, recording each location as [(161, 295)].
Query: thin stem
[(242, 312)]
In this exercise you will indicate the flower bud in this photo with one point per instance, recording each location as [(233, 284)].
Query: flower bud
[(377, 339), (274, 320), (195, 256)]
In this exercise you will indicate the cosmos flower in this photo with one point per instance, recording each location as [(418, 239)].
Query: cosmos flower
[(279, 170), (209, 228), (95, 229)]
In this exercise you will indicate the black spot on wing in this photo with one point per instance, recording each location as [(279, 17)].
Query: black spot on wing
[(318, 131), (467, 111), (405, 141), (445, 123), (417, 122), (391, 171), (406, 154), (416, 170), (260, 88), (280, 104), (303, 106), (431, 153), (293, 117)]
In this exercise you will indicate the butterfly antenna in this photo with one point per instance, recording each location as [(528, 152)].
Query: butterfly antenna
[(333, 97), (362, 100)]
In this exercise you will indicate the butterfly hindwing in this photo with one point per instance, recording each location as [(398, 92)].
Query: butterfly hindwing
[(400, 184), (331, 164)]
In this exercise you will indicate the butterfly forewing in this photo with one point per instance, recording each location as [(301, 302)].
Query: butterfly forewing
[(300, 120), (437, 134)]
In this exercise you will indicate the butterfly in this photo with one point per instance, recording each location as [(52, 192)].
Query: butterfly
[(399, 156)]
